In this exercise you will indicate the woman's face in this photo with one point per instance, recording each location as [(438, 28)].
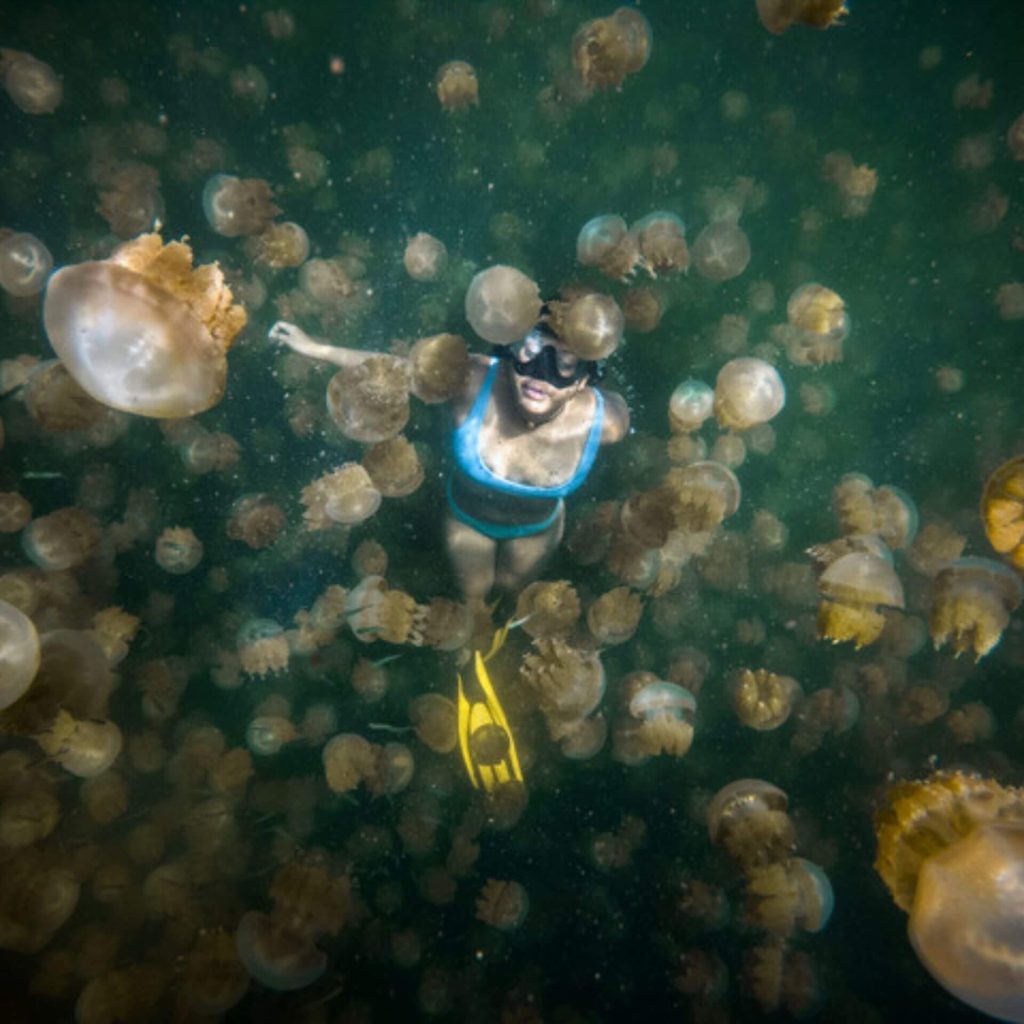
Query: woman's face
[(537, 397)]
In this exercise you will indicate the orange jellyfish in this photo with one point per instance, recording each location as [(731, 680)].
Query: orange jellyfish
[(439, 365), (144, 332), (370, 402), (456, 86), (548, 608), (762, 699), (779, 15), (605, 50), (1002, 510), (951, 851)]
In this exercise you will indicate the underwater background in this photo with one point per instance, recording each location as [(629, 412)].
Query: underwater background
[(334, 105)]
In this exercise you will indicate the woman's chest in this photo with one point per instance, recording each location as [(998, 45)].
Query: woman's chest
[(544, 456)]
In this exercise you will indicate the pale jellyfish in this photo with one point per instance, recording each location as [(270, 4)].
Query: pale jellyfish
[(25, 264), (19, 654), (502, 304), (748, 392)]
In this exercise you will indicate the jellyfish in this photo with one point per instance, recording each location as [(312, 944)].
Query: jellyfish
[(502, 304), (83, 748), (376, 613), (255, 520), (262, 647), (748, 817), (32, 85), (605, 50), (425, 257), (971, 603), (444, 624), (348, 760), (590, 326), (25, 264), (692, 403), (58, 405), (721, 251), (346, 495), (763, 700), (64, 539), (703, 495), (502, 904), (435, 719), (143, 332), (606, 243), (951, 852), (1002, 510), (394, 467), (394, 767), (748, 392), (614, 616), (661, 718), (566, 682), (36, 899), (370, 402), (643, 309), (214, 979), (178, 550), (661, 237), (646, 518), (370, 559), (456, 86), (779, 15), (439, 367), (266, 735), (238, 206), (789, 895), (19, 654), (275, 955), (548, 608), (282, 245), (129, 993)]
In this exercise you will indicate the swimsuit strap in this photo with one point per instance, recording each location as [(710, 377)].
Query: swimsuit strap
[(466, 448)]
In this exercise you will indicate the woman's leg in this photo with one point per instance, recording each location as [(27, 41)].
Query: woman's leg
[(522, 560), (472, 556)]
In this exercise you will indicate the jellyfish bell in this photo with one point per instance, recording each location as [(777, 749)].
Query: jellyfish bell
[(238, 206), (276, 956), (502, 304), (606, 50), (779, 15), (143, 332), (692, 403), (854, 586), (748, 817), (32, 84), (370, 402), (456, 86), (1002, 509), (425, 257), (721, 251), (748, 392), (25, 263), (661, 237), (590, 326), (439, 366), (598, 237), (19, 654)]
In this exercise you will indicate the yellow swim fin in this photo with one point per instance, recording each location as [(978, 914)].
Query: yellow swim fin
[(485, 739)]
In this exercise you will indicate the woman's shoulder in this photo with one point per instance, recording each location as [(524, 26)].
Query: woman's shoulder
[(475, 374), (616, 417)]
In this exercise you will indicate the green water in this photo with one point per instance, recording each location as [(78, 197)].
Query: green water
[(512, 181)]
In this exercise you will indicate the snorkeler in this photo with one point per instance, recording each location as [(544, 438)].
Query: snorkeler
[(528, 425)]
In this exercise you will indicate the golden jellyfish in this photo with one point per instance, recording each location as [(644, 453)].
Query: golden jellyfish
[(605, 242), (238, 206), (178, 550), (58, 405), (277, 956), (502, 304), (36, 899), (818, 326), (763, 700), (643, 309), (64, 539), (444, 624), (348, 760), (502, 904), (614, 617), (375, 612), (661, 238), (369, 559), (255, 520), (951, 852), (143, 331), (394, 467), (456, 86), (439, 365), (582, 739), (748, 817), (779, 15), (326, 282), (703, 495), (394, 767), (266, 735), (590, 326), (748, 392), (262, 647), (971, 603), (19, 654), (855, 183), (691, 404), (370, 402), (971, 723), (32, 84), (346, 495), (605, 50), (425, 257), (25, 264), (1002, 510), (853, 587), (128, 993), (83, 748), (789, 895), (1009, 300), (566, 682), (721, 251), (435, 719), (548, 608), (369, 679), (646, 518), (15, 512), (214, 979), (661, 719), (282, 245)]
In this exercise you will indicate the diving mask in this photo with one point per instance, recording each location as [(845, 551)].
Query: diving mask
[(538, 357)]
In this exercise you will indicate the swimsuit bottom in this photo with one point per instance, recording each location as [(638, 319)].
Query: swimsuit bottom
[(501, 531)]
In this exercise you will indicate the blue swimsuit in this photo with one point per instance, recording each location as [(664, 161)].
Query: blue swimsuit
[(466, 448)]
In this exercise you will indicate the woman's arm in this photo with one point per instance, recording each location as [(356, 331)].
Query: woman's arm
[(616, 418), (298, 340)]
